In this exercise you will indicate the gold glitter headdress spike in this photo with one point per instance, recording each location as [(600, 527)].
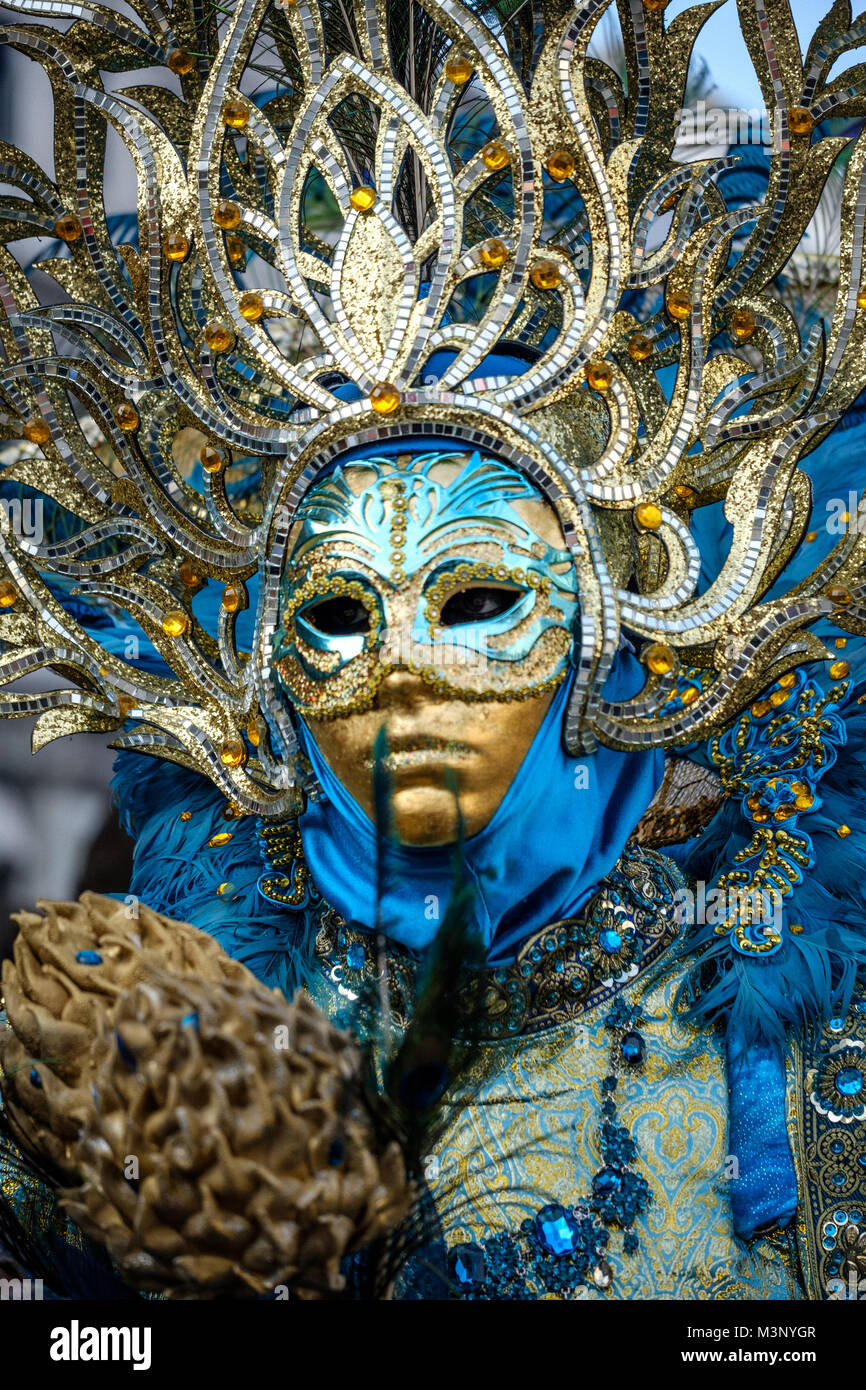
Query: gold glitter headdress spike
[(334, 192)]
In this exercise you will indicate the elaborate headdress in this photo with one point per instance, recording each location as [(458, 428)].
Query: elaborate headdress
[(490, 184)]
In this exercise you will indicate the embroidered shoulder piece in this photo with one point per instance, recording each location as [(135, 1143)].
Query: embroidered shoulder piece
[(559, 973), (830, 1141)]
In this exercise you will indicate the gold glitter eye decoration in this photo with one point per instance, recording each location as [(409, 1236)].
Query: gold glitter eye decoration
[(480, 604), (342, 616)]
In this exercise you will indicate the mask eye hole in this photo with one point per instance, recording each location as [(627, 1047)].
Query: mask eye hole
[(478, 604), (338, 617)]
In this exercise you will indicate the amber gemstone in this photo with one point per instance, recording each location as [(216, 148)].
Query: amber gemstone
[(175, 622), (648, 515), (236, 115), (218, 336), (227, 215), (126, 417), (742, 324), (189, 575), (861, 297), (599, 375), (800, 120), (779, 697), (660, 659), (803, 801), (253, 733), (545, 275), (125, 703), (654, 6), (37, 431), (68, 227), (838, 594), (222, 837), (233, 753), (495, 154), (384, 398), (843, 830), (235, 248), (493, 253), (678, 305), (211, 459), (231, 599), (690, 695), (760, 816), (760, 708), (8, 593), (458, 69), (684, 492), (784, 812), (176, 246), (362, 197), (838, 669), (251, 306), (639, 347), (811, 536), (787, 680), (561, 165), (181, 62)]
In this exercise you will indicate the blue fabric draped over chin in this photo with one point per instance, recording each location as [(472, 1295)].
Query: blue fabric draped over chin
[(559, 829)]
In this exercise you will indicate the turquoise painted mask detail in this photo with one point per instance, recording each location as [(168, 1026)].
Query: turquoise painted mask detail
[(434, 562)]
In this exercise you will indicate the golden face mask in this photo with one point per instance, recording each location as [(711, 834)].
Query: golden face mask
[(450, 580)]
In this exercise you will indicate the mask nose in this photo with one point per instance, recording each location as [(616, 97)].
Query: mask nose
[(402, 689)]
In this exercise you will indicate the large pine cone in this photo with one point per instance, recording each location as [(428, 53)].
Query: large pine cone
[(218, 1134), (71, 965)]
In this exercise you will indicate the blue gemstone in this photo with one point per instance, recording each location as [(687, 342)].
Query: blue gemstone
[(35, 1079), (190, 1020), (609, 940), (607, 1182), (89, 958), (336, 1153), (837, 1147), (556, 1229), (849, 1081), (355, 956), (468, 1265), (125, 1051), (839, 1179), (632, 1048)]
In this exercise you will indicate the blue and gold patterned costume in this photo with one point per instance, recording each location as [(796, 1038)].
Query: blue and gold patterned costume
[(429, 487)]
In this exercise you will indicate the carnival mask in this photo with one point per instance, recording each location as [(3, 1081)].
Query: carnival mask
[(432, 595), (432, 564)]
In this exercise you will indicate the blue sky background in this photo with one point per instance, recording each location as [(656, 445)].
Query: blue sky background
[(721, 44)]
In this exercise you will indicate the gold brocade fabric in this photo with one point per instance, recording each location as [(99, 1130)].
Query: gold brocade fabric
[(531, 1137), (524, 1131)]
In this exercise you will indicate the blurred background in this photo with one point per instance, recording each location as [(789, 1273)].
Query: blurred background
[(58, 832)]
